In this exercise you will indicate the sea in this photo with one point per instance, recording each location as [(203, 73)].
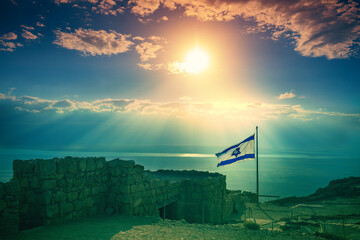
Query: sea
[(283, 175)]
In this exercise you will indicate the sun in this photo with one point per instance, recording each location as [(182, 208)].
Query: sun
[(196, 61)]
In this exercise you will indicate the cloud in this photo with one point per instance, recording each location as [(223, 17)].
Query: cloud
[(150, 66), (183, 108), (176, 67), (92, 42), (137, 38), (147, 50), (106, 7), (9, 36), (163, 19), (28, 35), (9, 46), (144, 7), (28, 28), (287, 95), (39, 24), (316, 27)]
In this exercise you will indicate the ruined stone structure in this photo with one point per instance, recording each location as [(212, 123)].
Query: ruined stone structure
[(58, 190)]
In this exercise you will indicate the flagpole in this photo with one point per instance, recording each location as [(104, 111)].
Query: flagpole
[(257, 167)]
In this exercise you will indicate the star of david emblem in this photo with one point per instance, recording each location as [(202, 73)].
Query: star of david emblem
[(236, 152)]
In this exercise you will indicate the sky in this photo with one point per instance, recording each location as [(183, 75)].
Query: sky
[(180, 75)]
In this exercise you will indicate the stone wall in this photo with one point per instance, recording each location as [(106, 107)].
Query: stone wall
[(59, 190), (9, 207)]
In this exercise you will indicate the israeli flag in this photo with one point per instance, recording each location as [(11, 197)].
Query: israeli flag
[(239, 152)]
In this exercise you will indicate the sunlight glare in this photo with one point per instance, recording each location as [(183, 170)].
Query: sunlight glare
[(196, 61)]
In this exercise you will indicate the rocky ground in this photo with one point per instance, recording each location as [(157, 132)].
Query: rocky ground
[(300, 221), (120, 227), (330, 213)]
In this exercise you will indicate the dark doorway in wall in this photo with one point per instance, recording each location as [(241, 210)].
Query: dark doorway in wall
[(169, 211)]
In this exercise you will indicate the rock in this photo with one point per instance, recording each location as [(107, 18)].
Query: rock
[(126, 164), (90, 164), (82, 164), (48, 185), (46, 167), (65, 208), (72, 196), (59, 196), (52, 211), (100, 162)]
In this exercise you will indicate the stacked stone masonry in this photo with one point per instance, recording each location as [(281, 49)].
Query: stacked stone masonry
[(58, 190)]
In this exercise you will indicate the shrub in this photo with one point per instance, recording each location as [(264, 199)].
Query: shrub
[(251, 225)]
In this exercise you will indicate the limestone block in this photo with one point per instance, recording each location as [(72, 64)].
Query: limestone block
[(125, 189), (51, 211), (82, 164), (89, 202), (103, 188), (35, 182), (79, 183), (72, 196), (66, 208), (139, 169), (62, 183), (24, 182), (31, 197), (59, 196), (100, 162), (115, 172), (123, 198), (47, 185), (21, 166), (104, 178), (87, 192), (126, 164), (90, 164), (46, 168), (134, 188)]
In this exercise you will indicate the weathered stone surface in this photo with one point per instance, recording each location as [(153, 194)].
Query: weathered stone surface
[(21, 166), (90, 164), (59, 196), (82, 164), (84, 186), (87, 192), (46, 167), (72, 196), (24, 183), (89, 202), (66, 207), (52, 211), (100, 162), (47, 185)]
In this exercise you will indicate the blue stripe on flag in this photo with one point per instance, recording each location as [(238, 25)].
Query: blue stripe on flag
[(230, 161), (252, 137)]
